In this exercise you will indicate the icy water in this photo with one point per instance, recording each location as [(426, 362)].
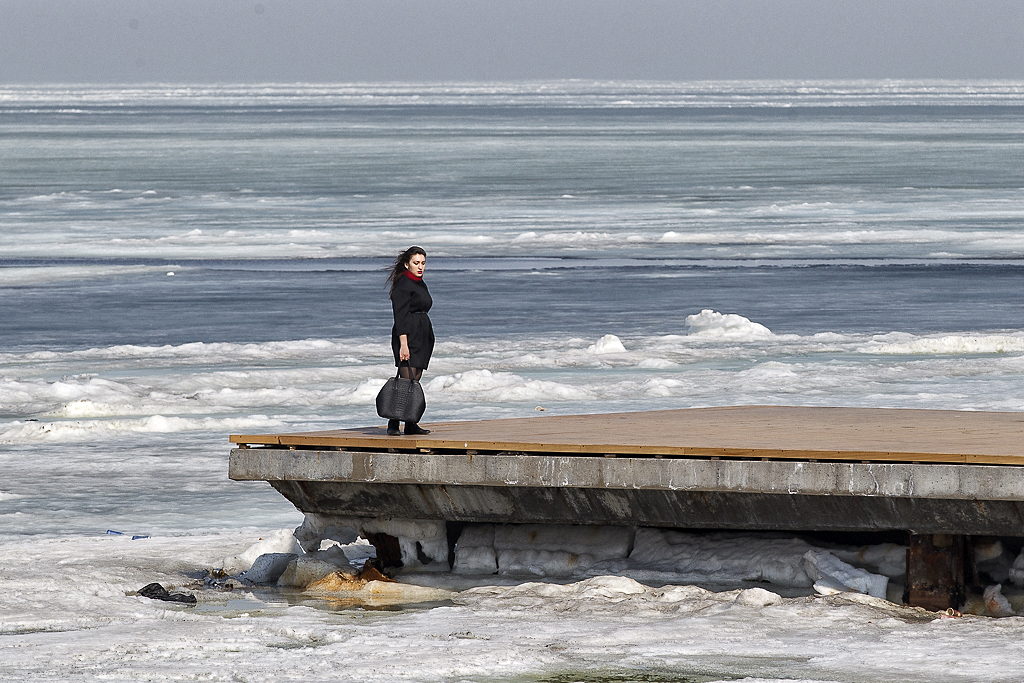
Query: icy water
[(180, 263)]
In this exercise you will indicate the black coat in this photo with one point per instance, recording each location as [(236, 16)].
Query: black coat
[(410, 302)]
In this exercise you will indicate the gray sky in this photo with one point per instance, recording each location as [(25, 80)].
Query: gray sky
[(125, 41)]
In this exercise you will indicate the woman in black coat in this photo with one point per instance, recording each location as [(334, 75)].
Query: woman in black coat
[(412, 337)]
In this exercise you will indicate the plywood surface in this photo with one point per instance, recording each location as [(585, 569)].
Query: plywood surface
[(873, 434)]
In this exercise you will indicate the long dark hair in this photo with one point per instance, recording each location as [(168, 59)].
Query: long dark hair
[(399, 267)]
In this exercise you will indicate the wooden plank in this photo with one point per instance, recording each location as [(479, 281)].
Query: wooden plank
[(780, 432)]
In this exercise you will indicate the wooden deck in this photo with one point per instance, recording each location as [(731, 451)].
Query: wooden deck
[(771, 432)]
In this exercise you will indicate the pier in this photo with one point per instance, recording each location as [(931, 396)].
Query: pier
[(940, 477)]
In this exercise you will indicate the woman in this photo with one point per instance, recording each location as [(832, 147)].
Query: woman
[(412, 337)]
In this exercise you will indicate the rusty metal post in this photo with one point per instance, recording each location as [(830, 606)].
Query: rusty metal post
[(935, 571)]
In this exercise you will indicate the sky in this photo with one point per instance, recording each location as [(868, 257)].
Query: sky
[(250, 41)]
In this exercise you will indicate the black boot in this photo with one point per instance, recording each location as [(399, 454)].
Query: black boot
[(393, 428), (413, 428)]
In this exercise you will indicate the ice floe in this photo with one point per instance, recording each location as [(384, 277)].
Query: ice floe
[(609, 343), (710, 323)]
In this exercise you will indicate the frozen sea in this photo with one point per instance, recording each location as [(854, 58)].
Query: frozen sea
[(178, 263)]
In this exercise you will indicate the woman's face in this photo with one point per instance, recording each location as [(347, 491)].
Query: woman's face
[(416, 264)]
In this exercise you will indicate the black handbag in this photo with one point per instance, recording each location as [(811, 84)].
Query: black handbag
[(401, 399)]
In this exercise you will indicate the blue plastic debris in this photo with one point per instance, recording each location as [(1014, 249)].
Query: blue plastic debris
[(121, 533)]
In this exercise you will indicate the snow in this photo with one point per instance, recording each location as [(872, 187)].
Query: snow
[(828, 570), (609, 343), (68, 614), (709, 323), (281, 541)]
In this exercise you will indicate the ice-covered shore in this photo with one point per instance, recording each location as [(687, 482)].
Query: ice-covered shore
[(551, 608), (69, 614)]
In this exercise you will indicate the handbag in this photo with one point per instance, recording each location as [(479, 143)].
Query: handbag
[(401, 399)]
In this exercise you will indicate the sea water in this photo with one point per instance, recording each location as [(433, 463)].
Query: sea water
[(180, 263)]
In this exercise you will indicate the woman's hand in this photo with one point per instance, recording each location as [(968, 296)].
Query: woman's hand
[(403, 352)]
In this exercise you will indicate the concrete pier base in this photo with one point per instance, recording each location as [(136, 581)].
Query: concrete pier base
[(678, 493), (937, 476)]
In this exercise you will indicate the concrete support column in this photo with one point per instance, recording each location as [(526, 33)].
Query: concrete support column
[(936, 567)]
